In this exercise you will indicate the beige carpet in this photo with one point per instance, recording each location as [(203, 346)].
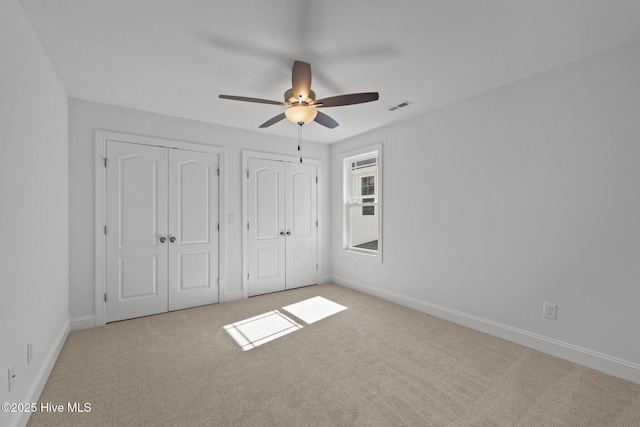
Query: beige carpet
[(374, 364)]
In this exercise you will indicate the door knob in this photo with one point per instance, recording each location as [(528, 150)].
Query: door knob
[(163, 239), (282, 233), (172, 239), (288, 233)]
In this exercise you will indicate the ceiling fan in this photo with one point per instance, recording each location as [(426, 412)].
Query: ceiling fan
[(301, 101)]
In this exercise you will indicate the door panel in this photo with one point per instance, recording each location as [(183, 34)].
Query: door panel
[(194, 270), (268, 258), (194, 199), (300, 198), (301, 216), (138, 276), (193, 225), (138, 181), (266, 217), (268, 194), (303, 258), (136, 219)]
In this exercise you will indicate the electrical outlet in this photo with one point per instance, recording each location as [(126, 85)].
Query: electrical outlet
[(12, 376), (551, 311), (29, 352)]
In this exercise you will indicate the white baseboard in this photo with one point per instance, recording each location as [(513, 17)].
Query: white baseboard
[(324, 279), (232, 297), (33, 394), (602, 362), (83, 322)]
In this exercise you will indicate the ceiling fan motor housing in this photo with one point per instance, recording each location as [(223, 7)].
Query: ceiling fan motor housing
[(291, 99)]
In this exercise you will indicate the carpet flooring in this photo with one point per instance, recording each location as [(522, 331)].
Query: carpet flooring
[(374, 364)]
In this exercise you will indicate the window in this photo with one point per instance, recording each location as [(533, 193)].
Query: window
[(368, 184), (362, 202), (367, 188)]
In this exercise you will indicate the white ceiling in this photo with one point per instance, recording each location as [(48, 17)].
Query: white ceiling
[(176, 56)]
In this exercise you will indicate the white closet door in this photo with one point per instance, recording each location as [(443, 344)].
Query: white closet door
[(266, 226), (301, 228), (193, 229), (137, 230), (282, 231)]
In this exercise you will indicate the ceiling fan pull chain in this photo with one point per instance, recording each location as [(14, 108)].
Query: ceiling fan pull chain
[(300, 140)]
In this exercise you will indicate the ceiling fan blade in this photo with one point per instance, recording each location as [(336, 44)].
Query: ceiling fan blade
[(350, 99), (325, 120), (301, 80), (246, 99), (273, 121)]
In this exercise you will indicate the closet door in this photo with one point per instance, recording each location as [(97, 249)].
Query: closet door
[(266, 226), (137, 228), (193, 229), (301, 225), (282, 230)]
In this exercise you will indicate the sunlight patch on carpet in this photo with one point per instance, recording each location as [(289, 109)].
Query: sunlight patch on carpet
[(250, 333), (313, 309)]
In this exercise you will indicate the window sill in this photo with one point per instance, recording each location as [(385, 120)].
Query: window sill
[(363, 255)]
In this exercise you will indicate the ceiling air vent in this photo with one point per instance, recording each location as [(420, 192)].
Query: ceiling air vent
[(400, 105)]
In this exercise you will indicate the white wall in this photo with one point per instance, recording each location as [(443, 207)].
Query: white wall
[(33, 211), (528, 193), (85, 117)]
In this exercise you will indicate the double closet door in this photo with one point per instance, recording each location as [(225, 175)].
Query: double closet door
[(282, 226), (162, 229)]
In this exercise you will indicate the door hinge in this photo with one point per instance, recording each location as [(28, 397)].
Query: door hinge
[(247, 276), (247, 225), (218, 281), (247, 174), (316, 179), (316, 222), (105, 161), (105, 297), (218, 226), (218, 172), (105, 230)]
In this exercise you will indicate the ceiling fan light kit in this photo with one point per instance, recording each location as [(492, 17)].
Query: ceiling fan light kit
[(300, 114)]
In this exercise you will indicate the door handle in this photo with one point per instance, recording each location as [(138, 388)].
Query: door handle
[(172, 239), (282, 233), (288, 233), (163, 239)]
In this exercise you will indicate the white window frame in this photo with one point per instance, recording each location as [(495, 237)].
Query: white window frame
[(347, 158)]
